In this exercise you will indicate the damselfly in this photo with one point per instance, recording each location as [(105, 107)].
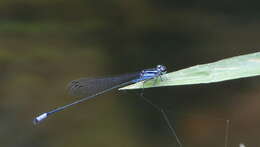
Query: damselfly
[(92, 87)]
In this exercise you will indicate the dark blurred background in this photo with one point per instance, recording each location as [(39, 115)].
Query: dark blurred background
[(46, 44)]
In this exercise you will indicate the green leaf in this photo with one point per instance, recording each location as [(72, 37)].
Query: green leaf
[(226, 69)]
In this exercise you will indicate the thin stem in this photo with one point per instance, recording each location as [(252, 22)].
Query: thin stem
[(227, 132), (171, 127), (165, 117)]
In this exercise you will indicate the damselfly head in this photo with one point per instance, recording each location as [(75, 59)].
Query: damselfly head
[(142, 73), (161, 68)]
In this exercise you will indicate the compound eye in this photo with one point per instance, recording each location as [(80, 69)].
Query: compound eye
[(164, 68), (160, 67), (142, 72)]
